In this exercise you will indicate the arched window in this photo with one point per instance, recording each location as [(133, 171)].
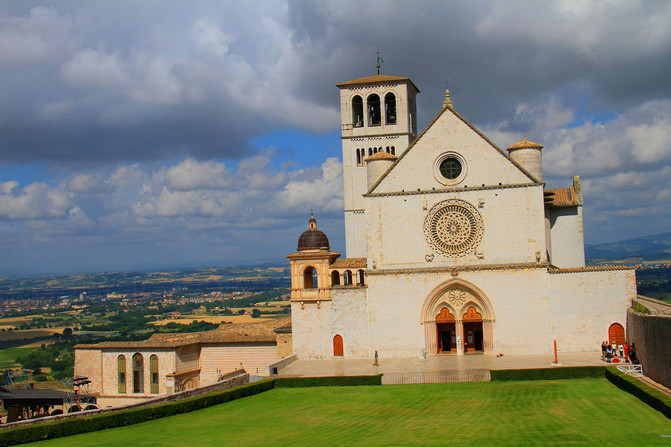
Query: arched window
[(370, 152), (153, 370), (393, 150), (357, 111), (374, 110), (121, 374), (348, 277), (335, 278), (360, 278), (138, 373), (358, 157), (390, 108), (338, 350), (310, 278)]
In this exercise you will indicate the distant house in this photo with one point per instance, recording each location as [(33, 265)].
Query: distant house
[(125, 372)]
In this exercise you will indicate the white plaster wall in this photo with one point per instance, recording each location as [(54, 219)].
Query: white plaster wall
[(518, 297), (513, 218), (566, 233), (347, 315), (584, 304), (485, 164), (350, 320), (311, 329), (355, 234), (219, 359)]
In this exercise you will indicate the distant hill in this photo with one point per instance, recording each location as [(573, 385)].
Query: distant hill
[(656, 247)]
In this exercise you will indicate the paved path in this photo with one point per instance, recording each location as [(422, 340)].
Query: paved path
[(354, 367)]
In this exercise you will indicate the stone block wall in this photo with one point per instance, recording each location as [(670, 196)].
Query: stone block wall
[(652, 336)]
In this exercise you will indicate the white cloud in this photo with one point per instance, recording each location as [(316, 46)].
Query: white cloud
[(191, 174), (42, 36), (35, 201), (96, 68)]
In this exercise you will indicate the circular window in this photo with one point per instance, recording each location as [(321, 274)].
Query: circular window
[(453, 227), (449, 168)]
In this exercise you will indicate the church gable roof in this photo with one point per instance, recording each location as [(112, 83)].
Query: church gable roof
[(449, 132)]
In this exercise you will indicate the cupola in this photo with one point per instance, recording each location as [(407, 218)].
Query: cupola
[(528, 155), (313, 238)]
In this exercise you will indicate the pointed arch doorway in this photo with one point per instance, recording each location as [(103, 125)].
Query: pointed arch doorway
[(457, 318)]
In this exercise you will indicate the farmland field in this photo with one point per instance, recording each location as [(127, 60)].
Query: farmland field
[(561, 412), (210, 319)]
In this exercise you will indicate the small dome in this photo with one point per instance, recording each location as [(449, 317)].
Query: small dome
[(525, 144), (313, 239)]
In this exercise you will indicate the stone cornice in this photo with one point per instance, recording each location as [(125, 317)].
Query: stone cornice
[(380, 136), (449, 190), (591, 269), (455, 270)]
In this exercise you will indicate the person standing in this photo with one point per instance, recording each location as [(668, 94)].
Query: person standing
[(603, 350)]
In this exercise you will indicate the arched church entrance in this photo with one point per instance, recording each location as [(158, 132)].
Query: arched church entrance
[(457, 319), (472, 321), (446, 330)]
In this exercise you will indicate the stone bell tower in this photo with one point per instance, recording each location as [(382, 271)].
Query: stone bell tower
[(377, 114)]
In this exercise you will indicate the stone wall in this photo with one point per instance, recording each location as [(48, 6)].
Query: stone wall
[(239, 378), (585, 302), (652, 336)]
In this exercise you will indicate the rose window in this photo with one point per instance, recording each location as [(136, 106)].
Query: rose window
[(453, 227)]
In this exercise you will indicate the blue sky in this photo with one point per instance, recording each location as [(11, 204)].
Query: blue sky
[(154, 134)]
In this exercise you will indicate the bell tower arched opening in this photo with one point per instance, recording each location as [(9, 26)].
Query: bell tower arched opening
[(457, 318)]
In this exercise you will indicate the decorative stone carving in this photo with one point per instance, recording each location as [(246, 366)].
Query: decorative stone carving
[(429, 257), (456, 297), (453, 227), (445, 316), (471, 314)]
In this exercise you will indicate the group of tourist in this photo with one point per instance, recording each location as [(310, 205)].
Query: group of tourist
[(614, 353)]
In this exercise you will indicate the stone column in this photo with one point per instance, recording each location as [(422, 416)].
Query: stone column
[(487, 336), (431, 337), (459, 328)]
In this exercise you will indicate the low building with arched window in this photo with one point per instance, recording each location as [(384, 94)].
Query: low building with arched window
[(126, 372), (453, 245)]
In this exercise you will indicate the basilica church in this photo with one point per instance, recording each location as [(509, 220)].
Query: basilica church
[(453, 245)]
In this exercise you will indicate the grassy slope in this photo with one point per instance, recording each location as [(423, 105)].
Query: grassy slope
[(575, 412)]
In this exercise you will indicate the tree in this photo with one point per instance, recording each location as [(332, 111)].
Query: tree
[(256, 313), (67, 332)]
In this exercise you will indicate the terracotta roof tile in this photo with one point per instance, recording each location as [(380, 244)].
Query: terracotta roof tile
[(525, 144), (226, 333), (382, 155), (562, 197), (349, 263), (377, 79)]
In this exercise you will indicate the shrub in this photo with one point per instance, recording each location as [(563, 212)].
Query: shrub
[(300, 382), (85, 424), (656, 399), (569, 372)]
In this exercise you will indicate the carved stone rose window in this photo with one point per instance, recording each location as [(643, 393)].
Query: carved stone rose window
[(453, 227)]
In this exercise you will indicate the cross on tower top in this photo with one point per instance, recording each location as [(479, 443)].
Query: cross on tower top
[(379, 59)]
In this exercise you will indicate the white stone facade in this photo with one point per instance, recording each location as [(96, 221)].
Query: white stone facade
[(465, 250)]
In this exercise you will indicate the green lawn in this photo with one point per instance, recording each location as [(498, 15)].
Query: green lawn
[(8, 356), (561, 412)]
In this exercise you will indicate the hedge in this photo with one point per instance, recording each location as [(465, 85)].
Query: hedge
[(85, 424), (656, 399), (300, 382), (568, 372)]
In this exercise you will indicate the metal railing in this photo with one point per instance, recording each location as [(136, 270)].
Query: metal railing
[(473, 375)]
